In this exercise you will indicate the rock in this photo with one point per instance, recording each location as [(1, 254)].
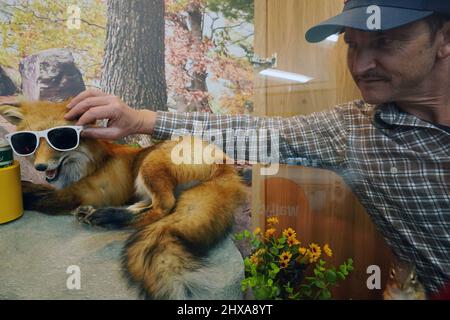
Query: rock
[(37, 250), (8, 82), (226, 271), (51, 75)]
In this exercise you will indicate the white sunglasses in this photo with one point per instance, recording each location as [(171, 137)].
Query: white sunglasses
[(64, 138)]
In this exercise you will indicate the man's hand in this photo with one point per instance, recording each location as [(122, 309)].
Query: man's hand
[(92, 105)]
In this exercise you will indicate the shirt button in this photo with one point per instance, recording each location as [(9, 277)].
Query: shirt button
[(394, 170)]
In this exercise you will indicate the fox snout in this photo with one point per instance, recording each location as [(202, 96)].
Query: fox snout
[(46, 156), (41, 166)]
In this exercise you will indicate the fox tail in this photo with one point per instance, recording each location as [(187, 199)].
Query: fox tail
[(168, 258)]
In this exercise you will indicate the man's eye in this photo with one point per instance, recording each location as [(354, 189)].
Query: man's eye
[(384, 42)]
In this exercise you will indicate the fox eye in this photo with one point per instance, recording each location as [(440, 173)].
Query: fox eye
[(392, 274)]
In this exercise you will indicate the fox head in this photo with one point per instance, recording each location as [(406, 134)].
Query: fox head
[(61, 168)]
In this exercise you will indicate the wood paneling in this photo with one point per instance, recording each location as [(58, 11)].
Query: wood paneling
[(316, 202)]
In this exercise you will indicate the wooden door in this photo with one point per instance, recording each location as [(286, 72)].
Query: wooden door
[(332, 214)]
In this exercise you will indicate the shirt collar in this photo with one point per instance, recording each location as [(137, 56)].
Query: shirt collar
[(389, 116)]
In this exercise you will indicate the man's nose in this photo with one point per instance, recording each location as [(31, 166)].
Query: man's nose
[(41, 166), (363, 62)]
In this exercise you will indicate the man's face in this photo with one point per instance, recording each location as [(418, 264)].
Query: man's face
[(391, 65)]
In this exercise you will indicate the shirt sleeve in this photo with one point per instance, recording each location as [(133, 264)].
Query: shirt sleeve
[(320, 137)]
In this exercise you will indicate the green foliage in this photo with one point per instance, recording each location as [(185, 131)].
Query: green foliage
[(27, 27), (233, 9), (280, 269)]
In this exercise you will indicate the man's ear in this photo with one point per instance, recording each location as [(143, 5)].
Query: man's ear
[(444, 50), (10, 110)]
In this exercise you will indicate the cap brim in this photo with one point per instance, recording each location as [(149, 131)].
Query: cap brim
[(356, 18)]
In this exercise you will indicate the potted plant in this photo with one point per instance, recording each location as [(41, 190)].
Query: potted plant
[(281, 267)]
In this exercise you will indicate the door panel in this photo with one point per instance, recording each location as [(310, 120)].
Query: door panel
[(316, 202)]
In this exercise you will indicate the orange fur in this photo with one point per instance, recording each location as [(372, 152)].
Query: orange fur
[(172, 233)]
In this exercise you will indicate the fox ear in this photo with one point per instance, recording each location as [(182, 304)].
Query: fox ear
[(10, 110)]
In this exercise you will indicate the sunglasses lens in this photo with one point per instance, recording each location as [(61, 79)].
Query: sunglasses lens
[(63, 138), (24, 143)]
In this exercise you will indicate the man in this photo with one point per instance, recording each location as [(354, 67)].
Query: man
[(392, 149)]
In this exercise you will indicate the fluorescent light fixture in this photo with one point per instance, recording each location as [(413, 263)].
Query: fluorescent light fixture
[(285, 75), (333, 38)]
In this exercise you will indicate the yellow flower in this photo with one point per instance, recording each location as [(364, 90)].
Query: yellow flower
[(292, 241), (270, 232), (285, 256), (254, 259), (284, 263), (327, 250), (313, 258), (289, 232), (272, 221), (315, 252), (315, 249), (302, 250), (257, 231)]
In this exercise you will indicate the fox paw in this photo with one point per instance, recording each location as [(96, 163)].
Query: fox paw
[(82, 214), (109, 218), (33, 193)]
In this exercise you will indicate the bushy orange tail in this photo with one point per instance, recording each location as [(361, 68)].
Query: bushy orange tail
[(166, 258)]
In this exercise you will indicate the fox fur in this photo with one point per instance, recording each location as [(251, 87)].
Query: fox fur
[(164, 256)]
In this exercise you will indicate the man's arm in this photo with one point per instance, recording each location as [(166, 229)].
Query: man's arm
[(320, 137)]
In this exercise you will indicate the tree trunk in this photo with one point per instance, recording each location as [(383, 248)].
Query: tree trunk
[(134, 64), (198, 82)]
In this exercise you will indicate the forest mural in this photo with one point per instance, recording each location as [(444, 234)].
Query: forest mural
[(184, 55)]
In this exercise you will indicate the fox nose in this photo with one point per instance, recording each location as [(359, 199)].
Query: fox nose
[(41, 167)]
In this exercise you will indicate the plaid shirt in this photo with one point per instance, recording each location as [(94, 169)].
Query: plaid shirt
[(397, 165)]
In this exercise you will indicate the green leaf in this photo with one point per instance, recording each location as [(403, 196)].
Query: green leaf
[(256, 243), (246, 234), (320, 284), (305, 290), (331, 276), (343, 269), (325, 294), (318, 274), (340, 275)]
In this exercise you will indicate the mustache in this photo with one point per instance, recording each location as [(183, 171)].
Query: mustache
[(371, 75)]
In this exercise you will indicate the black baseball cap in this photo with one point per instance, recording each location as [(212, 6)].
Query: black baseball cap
[(393, 14)]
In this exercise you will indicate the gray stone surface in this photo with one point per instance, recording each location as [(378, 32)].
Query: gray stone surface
[(8, 81), (50, 75), (36, 250)]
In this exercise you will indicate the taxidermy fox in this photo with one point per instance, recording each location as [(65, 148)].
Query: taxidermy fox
[(94, 180)]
